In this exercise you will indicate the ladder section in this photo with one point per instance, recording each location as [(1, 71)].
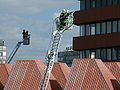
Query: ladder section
[(51, 58)]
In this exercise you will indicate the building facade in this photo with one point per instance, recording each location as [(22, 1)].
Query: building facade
[(3, 52), (99, 22)]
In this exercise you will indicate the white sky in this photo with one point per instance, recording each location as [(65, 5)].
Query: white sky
[(36, 16)]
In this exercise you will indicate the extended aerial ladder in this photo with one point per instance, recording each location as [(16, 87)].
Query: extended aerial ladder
[(25, 41), (53, 50)]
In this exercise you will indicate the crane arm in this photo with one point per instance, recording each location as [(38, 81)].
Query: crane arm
[(14, 52)]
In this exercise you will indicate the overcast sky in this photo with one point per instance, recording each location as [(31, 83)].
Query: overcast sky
[(36, 16)]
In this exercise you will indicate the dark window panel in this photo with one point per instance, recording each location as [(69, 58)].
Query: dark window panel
[(103, 54), (82, 4), (87, 30), (98, 54), (119, 26), (109, 27), (83, 54), (119, 1), (114, 26), (109, 54), (87, 4), (98, 3), (115, 2), (114, 53), (92, 29), (104, 2), (82, 30), (109, 2), (119, 53), (87, 53), (103, 27), (98, 28), (93, 3)]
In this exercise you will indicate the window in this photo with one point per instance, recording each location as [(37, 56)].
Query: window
[(4, 53), (119, 26), (119, 1), (92, 29), (109, 54), (82, 30), (103, 54), (92, 54), (109, 2), (87, 30), (80, 54), (87, 4), (114, 53), (103, 2), (82, 4), (98, 54), (114, 29), (103, 31), (93, 3), (115, 1), (109, 27), (98, 3), (98, 28), (83, 54), (119, 53), (87, 53), (1, 54)]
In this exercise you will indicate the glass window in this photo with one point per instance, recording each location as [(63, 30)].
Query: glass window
[(81, 54), (103, 31), (93, 54), (103, 2), (93, 3), (114, 53), (119, 26), (87, 53), (119, 53), (82, 30), (98, 54), (4, 53), (98, 28), (92, 29), (115, 1), (119, 1), (1, 54), (87, 4), (114, 29), (87, 30), (109, 27), (109, 2), (109, 54), (82, 4), (98, 3), (103, 54)]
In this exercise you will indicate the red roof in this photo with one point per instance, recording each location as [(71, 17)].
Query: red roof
[(114, 68), (25, 75), (60, 72), (90, 74), (4, 73)]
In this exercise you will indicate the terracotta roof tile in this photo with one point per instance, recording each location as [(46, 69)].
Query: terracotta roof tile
[(60, 72), (25, 75), (114, 68), (4, 73), (90, 74)]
